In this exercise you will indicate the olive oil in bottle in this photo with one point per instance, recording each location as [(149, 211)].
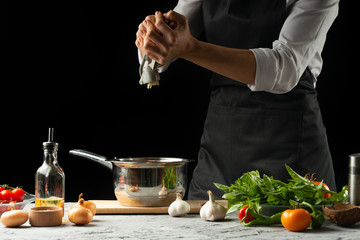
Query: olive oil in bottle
[(52, 201), (50, 178)]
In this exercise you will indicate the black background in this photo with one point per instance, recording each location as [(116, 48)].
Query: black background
[(73, 66)]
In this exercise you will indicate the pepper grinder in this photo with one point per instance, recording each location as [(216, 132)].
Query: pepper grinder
[(354, 179)]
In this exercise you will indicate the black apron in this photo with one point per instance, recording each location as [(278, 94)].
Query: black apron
[(247, 130)]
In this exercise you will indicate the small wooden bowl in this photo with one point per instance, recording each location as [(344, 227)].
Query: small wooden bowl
[(45, 216), (343, 214)]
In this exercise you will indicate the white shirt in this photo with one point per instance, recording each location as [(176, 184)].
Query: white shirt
[(299, 45)]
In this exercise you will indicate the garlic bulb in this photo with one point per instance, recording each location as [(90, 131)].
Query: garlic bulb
[(212, 211), (179, 207)]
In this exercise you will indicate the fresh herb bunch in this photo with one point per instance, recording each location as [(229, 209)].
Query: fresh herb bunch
[(170, 178), (250, 189)]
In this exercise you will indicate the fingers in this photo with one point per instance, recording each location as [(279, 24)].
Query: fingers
[(150, 18), (175, 18), (155, 24), (153, 52), (160, 23), (142, 26), (140, 36), (141, 33), (155, 36), (148, 39)]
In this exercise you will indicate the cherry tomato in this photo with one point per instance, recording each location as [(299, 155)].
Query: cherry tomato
[(2, 188), (242, 212), (17, 194), (326, 195), (5, 195), (296, 219)]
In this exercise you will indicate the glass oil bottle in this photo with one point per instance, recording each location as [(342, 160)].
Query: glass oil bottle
[(50, 178)]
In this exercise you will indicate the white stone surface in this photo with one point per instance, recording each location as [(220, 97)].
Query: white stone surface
[(165, 227)]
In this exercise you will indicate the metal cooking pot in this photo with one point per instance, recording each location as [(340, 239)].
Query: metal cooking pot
[(143, 181)]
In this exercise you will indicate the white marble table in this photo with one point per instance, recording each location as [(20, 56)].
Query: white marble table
[(165, 227)]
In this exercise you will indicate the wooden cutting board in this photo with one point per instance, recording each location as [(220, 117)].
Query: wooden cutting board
[(114, 207)]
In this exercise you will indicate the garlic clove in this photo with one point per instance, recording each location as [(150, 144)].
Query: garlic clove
[(163, 191), (211, 210), (179, 207)]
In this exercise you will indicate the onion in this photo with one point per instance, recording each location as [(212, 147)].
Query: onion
[(88, 204), (79, 214)]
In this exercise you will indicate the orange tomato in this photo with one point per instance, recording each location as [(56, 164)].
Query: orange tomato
[(326, 195), (296, 219)]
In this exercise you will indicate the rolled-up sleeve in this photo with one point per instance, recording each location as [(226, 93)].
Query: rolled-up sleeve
[(192, 10), (299, 46)]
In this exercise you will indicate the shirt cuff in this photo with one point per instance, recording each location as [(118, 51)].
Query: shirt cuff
[(276, 69), (265, 70)]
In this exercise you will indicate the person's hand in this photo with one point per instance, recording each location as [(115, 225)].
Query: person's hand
[(141, 33), (163, 42)]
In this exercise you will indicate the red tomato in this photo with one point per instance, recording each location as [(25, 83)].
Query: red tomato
[(17, 194), (2, 188), (242, 212), (5, 195), (326, 195), (296, 219)]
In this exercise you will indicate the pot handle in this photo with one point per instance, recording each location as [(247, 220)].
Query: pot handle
[(93, 157)]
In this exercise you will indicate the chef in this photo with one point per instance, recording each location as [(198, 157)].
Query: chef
[(265, 57)]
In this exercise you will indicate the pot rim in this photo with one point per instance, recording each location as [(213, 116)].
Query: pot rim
[(150, 162)]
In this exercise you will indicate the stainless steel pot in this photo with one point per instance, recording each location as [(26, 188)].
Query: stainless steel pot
[(143, 181)]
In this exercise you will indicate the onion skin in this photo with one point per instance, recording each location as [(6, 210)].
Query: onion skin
[(90, 205), (14, 218), (79, 214)]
